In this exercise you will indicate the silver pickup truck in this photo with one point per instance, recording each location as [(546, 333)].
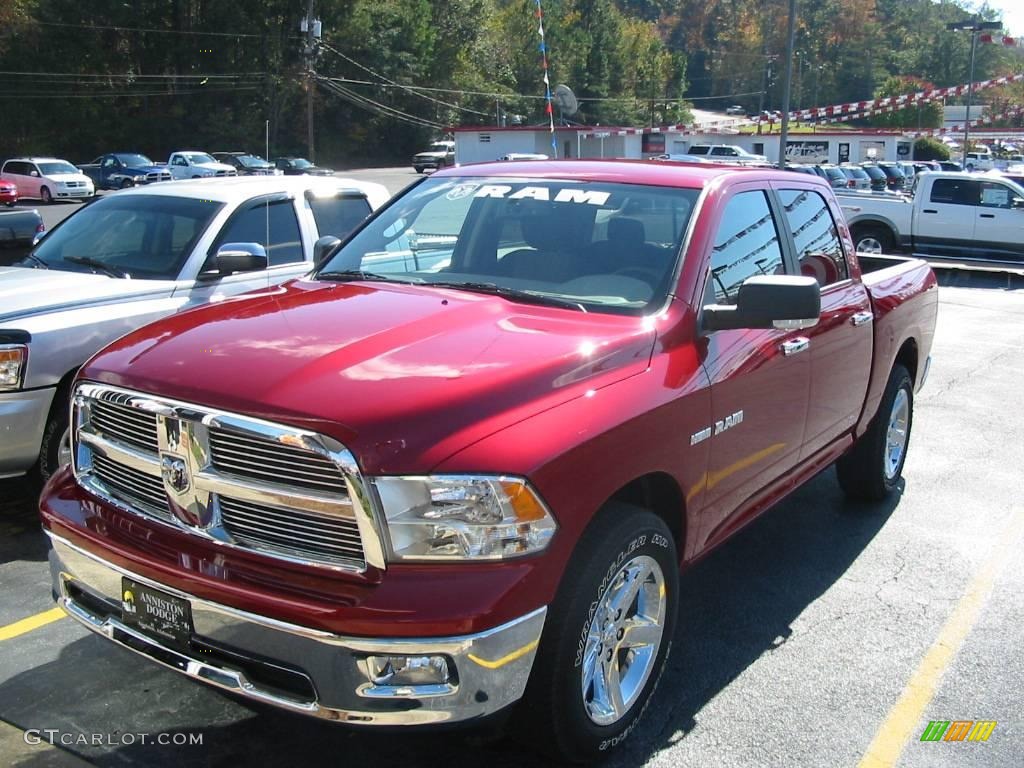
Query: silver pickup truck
[(140, 254)]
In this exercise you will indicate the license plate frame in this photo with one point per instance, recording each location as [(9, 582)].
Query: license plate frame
[(156, 613)]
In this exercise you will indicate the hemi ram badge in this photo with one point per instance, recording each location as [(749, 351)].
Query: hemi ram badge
[(728, 422), (720, 426)]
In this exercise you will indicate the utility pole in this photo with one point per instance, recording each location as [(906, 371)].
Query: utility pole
[(974, 26), (788, 84), (312, 28)]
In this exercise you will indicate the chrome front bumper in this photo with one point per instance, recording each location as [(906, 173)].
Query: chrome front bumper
[(301, 669)]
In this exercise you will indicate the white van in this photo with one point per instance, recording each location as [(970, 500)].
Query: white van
[(47, 179)]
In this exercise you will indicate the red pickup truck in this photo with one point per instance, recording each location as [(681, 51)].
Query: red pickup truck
[(462, 464)]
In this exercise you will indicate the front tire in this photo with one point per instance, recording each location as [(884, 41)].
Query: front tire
[(45, 196), (873, 240), (608, 636), (127, 183), (874, 466), (55, 449)]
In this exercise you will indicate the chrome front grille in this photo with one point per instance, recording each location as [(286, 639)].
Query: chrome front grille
[(132, 486), (284, 492), (158, 176), (301, 534), (255, 459), (125, 424)]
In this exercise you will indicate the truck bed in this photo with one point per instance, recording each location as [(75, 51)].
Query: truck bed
[(904, 297)]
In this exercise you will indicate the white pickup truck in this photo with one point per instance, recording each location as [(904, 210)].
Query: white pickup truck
[(959, 216), (190, 164), (138, 255)]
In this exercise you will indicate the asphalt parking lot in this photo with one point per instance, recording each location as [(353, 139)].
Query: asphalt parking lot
[(826, 634)]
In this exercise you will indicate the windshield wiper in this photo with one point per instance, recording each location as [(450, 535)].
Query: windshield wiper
[(355, 274), (36, 259), (88, 261), (512, 294)]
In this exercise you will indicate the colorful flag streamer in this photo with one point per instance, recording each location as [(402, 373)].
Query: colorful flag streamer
[(548, 107)]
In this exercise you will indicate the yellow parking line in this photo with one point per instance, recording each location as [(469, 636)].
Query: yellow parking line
[(906, 715), (32, 622)]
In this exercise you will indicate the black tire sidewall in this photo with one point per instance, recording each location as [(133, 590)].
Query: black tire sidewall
[(624, 532), (900, 380), (49, 448), (45, 195)]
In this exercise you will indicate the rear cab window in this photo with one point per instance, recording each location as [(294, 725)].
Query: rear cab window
[(339, 214), (818, 248)]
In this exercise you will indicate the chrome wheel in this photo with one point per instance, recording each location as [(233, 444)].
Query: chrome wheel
[(623, 640), (869, 244), (896, 435), (64, 450)]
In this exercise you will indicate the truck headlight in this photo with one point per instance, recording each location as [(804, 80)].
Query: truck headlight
[(12, 365), (462, 517)]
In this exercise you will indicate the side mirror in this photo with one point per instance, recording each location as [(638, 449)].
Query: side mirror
[(38, 236), (768, 301), (237, 257), (323, 248), (1017, 203), (34, 174)]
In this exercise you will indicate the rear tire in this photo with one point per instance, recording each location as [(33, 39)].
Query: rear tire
[(45, 196), (874, 466), (609, 630), (872, 239)]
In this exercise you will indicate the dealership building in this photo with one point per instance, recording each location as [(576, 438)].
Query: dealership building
[(475, 144)]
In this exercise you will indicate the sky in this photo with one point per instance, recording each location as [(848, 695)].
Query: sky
[(1012, 14)]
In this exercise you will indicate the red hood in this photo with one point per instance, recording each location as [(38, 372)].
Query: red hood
[(404, 376)]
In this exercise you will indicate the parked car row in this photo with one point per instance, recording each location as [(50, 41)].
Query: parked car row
[(876, 177), (51, 178)]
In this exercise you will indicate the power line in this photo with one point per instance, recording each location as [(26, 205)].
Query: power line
[(129, 94), (131, 76), (491, 94), (374, 106), (145, 29), (400, 85)]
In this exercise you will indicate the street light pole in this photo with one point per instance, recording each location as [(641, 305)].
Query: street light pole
[(974, 26)]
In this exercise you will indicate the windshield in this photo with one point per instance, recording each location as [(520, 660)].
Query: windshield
[(60, 166), (134, 161), (252, 161), (874, 172), (199, 157), (600, 246), (300, 162), (438, 146), (142, 236)]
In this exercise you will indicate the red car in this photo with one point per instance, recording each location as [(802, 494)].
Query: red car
[(460, 467), (8, 193)]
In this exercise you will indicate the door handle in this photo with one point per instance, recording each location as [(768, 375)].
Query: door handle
[(929, 210), (795, 346), (987, 215), (862, 317)]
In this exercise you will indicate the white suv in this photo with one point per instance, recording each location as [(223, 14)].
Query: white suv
[(47, 178), (728, 152)]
